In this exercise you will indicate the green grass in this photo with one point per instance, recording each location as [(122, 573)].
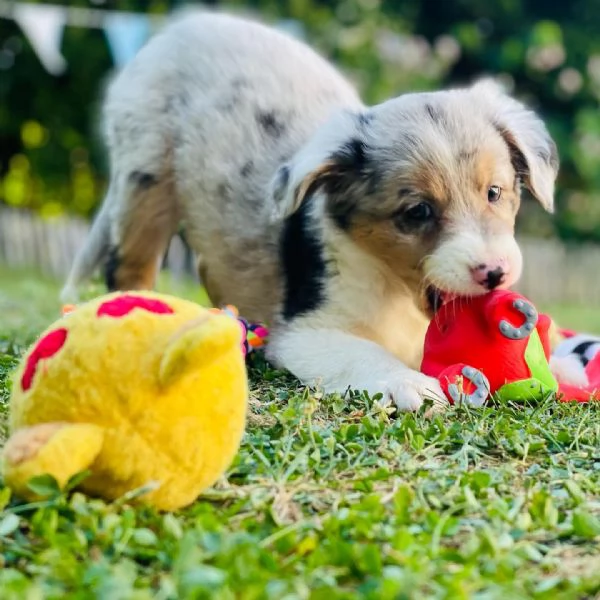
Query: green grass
[(328, 499)]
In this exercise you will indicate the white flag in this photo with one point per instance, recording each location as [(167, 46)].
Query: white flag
[(43, 26)]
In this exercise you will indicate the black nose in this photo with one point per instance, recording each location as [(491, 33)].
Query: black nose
[(494, 278)]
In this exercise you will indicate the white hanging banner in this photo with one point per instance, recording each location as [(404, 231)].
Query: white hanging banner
[(126, 33), (43, 25)]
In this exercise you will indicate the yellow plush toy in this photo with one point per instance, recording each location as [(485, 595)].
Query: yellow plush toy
[(136, 388)]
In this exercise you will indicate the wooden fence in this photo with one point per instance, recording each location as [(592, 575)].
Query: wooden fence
[(553, 273), (49, 245)]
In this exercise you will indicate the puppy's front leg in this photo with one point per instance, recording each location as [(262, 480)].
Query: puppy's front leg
[(336, 361)]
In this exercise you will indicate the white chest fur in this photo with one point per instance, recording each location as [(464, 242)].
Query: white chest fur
[(366, 300)]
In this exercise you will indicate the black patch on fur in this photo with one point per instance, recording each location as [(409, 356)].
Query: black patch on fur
[(352, 156), (281, 181), (352, 175), (435, 114), (142, 180), (110, 269), (303, 263), (517, 158), (225, 192), (350, 166), (270, 124), (364, 118), (519, 162), (247, 168)]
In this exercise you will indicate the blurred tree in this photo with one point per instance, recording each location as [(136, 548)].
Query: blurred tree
[(51, 155), (548, 53)]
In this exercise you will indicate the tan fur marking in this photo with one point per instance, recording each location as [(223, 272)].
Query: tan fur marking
[(431, 182), (381, 239), (209, 283), (147, 228), (308, 182)]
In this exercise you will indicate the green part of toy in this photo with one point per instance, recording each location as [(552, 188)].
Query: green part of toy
[(531, 390), (538, 363), (540, 384)]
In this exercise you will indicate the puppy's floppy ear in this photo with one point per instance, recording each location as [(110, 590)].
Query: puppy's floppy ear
[(334, 160), (293, 183), (533, 151)]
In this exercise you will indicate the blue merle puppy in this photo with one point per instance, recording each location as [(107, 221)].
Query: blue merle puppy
[(342, 226)]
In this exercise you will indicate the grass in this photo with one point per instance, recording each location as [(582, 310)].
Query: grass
[(328, 499)]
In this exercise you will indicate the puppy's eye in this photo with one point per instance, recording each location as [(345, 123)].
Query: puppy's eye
[(419, 213), (494, 193)]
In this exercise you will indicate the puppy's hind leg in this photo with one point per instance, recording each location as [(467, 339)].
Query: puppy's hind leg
[(141, 231)]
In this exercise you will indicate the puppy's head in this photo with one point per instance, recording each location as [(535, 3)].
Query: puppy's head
[(429, 184)]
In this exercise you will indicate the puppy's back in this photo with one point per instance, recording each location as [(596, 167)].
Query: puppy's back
[(196, 126), (218, 93)]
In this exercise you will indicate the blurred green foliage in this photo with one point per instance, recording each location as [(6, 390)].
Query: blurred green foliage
[(548, 54)]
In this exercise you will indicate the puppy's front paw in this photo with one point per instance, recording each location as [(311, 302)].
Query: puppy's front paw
[(408, 390)]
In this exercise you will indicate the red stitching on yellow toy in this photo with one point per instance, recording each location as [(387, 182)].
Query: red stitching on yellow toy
[(123, 305), (47, 347)]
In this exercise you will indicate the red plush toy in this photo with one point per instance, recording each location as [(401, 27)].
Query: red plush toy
[(498, 344)]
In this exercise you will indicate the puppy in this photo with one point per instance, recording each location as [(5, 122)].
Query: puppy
[(343, 226)]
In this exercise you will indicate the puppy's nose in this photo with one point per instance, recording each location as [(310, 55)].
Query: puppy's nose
[(494, 278), (490, 275)]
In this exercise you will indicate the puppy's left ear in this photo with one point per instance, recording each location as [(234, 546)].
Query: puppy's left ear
[(533, 152)]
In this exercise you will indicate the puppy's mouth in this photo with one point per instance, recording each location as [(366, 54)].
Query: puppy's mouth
[(435, 298)]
